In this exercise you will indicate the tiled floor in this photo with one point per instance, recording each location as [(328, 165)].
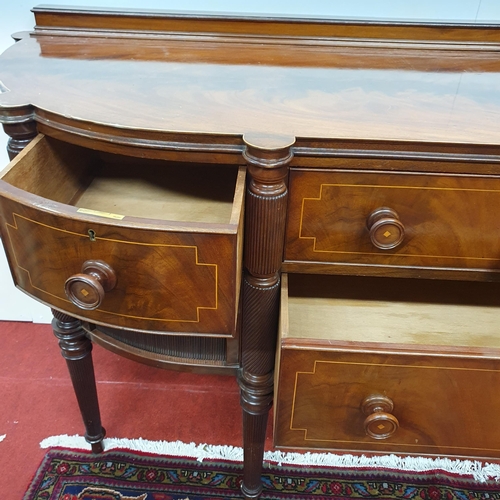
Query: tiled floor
[(37, 401)]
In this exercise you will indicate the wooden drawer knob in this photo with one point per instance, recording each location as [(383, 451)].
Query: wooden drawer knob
[(87, 289), (386, 230), (380, 423)]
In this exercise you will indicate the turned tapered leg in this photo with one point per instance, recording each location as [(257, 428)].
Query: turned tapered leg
[(76, 349), (267, 159), (256, 377)]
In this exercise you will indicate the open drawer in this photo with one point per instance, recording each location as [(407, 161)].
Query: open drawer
[(389, 365), (142, 244)]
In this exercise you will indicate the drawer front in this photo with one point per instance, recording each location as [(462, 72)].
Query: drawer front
[(396, 219), (140, 272), (165, 281), (442, 405)]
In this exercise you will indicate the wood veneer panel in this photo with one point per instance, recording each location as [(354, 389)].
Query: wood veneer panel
[(442, 377), (157, 21), (444, 405), (449, 221), (434, 93), (192, 265)]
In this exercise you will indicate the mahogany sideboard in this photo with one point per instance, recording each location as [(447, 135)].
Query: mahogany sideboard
[(175, 178)]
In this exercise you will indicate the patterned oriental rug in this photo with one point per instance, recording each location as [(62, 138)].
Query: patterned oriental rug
[(124, 475)]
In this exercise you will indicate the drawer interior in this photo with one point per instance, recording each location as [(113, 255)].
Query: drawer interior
[(127, 186), (373, 310)]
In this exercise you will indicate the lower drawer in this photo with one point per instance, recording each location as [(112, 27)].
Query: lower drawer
[(433, 390)]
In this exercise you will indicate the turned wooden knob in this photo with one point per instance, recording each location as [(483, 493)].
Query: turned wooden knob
[(87, 289), (386, 230), (380, 423)]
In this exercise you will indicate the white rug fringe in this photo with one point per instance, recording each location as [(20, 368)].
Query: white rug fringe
[(475, 468), (175, 448)]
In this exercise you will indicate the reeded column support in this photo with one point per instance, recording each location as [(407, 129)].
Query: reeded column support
[(19, 124), (76, 349), (267, 158)]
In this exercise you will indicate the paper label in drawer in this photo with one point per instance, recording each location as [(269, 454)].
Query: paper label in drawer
[(100, 214)]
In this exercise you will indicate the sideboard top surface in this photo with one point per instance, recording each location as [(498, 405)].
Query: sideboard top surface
[(232, 76)]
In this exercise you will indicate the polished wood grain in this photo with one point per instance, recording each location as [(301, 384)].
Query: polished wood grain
[(19, 124), (434, 220), (386, 230), (371, 148), (319, 403), (278, 52), (76, 349), (87, 289), (267, 194), (191, 263), (156, 21), (328, 381), (380, 423), (343, 88)]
